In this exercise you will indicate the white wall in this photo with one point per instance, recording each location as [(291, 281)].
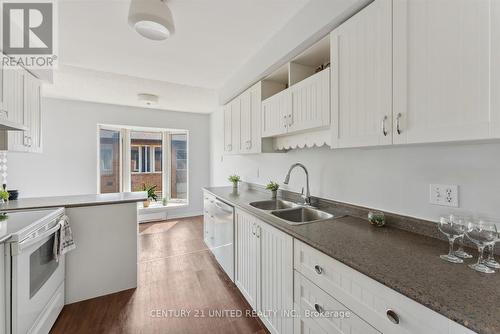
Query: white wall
[(68, 164), (394, 179)]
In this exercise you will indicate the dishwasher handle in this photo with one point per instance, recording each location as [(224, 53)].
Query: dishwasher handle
[(223, 206)]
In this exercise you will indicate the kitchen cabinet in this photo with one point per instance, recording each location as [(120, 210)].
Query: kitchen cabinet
[(446, 71), (382, 308), (264, 270), (21, 103), (303, 106), (310, 103), (208, 220), (311, 299), (232, 126), (275, 113), (361, 80), (250, 119), (33, 113)]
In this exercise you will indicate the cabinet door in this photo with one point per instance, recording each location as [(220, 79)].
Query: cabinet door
[(276, 284), (442, 67), (247, 254), (255, 144), (309, 298), (310, 103), (228, 135), (275, 114), (208, 230), (235, 124), (3, 111), (245, 122), (13, 92), (361, 58), (3, 326), (33, 112)]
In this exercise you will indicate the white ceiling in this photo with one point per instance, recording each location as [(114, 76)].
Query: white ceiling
[(213, 38)]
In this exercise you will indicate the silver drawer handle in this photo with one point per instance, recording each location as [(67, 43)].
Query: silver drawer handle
[(318, 308), (398, 117), (392, 316), (384, 131), (318, 269)]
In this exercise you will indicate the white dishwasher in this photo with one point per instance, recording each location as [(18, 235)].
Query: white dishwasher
[(222, 230)]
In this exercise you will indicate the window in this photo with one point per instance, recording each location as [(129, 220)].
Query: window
[(109, 160), (146, 154)]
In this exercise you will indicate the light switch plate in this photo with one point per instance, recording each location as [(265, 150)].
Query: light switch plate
[(444, 194)]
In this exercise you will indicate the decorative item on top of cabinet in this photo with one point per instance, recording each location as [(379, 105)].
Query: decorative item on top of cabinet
[(361, 84), (446, 82)]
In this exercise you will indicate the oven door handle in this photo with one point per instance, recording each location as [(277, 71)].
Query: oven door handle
[(27, 243)]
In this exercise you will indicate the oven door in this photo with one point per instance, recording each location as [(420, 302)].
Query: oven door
[(36, 279)]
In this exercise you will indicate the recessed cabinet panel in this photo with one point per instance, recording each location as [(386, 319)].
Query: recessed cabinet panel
[(442, 69), (310, 99), (275, 112), (228, 135), (362, 78)]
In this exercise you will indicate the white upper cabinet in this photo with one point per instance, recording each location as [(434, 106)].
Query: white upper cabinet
[(250, 138), (275, 112), (446, 58), (310, 103), (232, 126), (361, 65), (33, 112), (14, 107)]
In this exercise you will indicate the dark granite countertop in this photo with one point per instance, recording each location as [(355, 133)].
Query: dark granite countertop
[(406, 262), (73, 201)]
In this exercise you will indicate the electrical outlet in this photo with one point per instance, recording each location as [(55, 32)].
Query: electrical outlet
[(443, 194)]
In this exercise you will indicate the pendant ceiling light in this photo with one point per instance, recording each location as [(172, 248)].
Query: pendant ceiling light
[(151, 19)]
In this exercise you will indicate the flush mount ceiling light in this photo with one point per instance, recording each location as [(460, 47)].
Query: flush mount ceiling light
[(152, 19), (148, 99)]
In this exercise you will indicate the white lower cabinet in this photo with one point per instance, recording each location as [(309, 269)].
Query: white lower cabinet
[(383, 308), (264, 270), (322, 314), (208, 220)]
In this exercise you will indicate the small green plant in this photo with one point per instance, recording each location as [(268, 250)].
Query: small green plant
[(234, 178), (4, 195), (151, 190), (273, 186)]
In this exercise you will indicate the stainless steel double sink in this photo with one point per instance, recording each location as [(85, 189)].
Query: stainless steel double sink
[(292, 213)]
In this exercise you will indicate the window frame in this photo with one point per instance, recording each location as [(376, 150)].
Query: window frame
[(126, 158)]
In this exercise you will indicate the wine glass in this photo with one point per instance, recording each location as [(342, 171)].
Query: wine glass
[(464, 220), (490, 261), (452, 230), (483, 234)]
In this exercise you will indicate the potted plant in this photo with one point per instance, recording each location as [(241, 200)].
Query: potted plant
[(273, 186), (4, 195), (234, 179), (151, 190)]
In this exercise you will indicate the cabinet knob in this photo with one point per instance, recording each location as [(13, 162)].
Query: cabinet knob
[(392, 316), (318, 308), (318, 269)]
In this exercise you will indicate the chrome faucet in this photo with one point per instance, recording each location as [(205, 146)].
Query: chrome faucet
[(307, 197)]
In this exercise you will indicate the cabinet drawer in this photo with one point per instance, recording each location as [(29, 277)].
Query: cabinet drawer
[(367, 298), (335, 318)]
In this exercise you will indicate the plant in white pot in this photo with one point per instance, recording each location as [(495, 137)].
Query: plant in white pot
[(151, 190), (234, 179), (273, 186)]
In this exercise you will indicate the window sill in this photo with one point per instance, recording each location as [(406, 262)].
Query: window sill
[(158, 207)]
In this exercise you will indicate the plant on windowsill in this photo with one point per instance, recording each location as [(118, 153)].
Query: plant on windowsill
[(273, 186), (151, 190), (234, 179)]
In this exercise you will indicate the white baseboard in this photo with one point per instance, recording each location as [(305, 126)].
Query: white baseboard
[(158, 216)]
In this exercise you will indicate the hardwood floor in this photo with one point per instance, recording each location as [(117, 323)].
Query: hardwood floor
[(176, 273)]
